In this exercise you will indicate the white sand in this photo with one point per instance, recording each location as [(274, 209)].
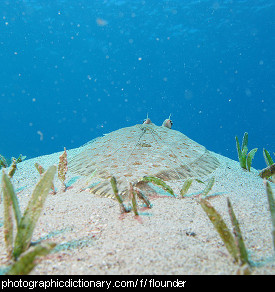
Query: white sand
[(174, 237)]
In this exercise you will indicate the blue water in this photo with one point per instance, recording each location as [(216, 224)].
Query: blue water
[(74, 70)]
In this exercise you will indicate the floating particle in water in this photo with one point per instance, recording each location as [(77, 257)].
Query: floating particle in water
[(40, 134), (101, 22)]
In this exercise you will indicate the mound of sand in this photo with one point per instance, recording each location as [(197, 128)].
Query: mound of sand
[(175, 236)]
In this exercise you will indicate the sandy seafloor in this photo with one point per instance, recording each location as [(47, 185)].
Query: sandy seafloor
[(175, 236)]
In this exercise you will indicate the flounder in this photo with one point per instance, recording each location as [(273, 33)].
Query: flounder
[(145, 149)]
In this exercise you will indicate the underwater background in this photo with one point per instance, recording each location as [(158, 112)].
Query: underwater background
[(74, 70)]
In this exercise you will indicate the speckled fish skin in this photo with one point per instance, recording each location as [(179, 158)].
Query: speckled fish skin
[(142, 150)]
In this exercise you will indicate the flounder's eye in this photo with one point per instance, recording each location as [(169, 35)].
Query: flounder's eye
[(167, 123), (147, 121)]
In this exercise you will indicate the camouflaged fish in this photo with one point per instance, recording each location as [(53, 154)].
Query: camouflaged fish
[(131, 153)]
